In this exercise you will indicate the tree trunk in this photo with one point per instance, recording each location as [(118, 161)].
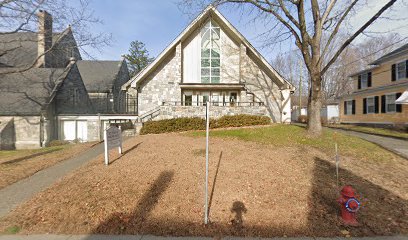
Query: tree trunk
[(314, 124)]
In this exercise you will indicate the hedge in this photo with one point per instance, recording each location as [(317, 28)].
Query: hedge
[(186, 124)]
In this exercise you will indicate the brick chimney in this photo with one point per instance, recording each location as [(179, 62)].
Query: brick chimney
[(44, 38)]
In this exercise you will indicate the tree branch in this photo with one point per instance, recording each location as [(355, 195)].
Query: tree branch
[(358, 32)]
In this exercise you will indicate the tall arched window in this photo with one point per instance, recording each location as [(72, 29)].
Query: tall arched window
[(210, 53)]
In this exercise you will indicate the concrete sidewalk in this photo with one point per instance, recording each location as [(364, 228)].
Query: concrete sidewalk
[(19, 192), (397, 146), (149, 237)]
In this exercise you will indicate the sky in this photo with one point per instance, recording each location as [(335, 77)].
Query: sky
[(158, 22)]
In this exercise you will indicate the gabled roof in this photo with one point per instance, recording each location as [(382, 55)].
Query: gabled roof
[(29, 92), (210, 11), (20, 49), (396, 53), (99, 76)]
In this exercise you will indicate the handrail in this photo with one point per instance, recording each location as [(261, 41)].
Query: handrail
[(219, 104), (149, 113)]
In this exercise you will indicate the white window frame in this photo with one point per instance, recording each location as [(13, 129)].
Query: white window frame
[(212, 25), (403, 76), (386, 103), (364, 80), (367, 106), (349, 109)]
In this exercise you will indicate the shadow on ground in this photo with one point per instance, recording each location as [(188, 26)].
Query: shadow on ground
[(383, 212), (20, 159)]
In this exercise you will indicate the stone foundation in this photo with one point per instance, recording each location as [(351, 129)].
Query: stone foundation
[(169, 112)]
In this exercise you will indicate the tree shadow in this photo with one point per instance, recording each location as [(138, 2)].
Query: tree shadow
[(20, 159), (383, 213), (121, 222), (214, 182)]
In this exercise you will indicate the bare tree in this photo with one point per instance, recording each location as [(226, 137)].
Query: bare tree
[(20, 16), (314, 25)]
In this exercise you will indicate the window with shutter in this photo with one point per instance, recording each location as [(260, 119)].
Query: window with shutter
[(401, 70), (348, 107), (370, 105), (390, 103), (383, 104)]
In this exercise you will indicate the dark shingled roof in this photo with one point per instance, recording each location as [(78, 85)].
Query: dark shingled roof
[(397, 52), (26, 93), (99, 76), (21, 49)]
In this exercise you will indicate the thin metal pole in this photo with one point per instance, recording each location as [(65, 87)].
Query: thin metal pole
[(206, 161), (337, 164)]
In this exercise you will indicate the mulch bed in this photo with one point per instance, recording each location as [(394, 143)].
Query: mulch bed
[(157, 187)]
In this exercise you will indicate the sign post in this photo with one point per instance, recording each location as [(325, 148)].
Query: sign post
[(112, 137), (207, 117)]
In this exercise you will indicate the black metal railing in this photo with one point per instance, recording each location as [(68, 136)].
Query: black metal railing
[(218, 104)]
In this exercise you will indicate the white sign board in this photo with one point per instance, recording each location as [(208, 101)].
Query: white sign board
[(113, 138)]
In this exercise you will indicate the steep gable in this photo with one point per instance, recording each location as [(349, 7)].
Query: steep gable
[(233, 33)]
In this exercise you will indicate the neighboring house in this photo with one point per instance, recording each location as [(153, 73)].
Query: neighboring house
[(329, 112), (377, 89), (210, 61), (43, 95)]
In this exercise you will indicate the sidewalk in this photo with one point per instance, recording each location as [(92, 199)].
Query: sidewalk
[(149, 237), (397, 146), (19, 192)]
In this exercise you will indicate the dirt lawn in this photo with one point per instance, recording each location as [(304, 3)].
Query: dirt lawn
[(157, 188), (19, 164)]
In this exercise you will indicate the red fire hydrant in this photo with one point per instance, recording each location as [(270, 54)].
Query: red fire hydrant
[(349, 205)]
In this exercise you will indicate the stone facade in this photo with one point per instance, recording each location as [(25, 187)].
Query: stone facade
[(7, 134), (27, 131), (162, 85), (169, 112), (72, 97)]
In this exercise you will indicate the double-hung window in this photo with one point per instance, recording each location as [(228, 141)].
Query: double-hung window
[(370, 105), (401, 70), (348, 107), (364, 80), (390, 103), (210, 53)]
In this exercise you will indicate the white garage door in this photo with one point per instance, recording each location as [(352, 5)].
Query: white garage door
[(82, 131), (74, 130), (68, 130)]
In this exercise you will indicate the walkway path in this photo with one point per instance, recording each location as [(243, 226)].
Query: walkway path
[(19, 192), (397, 146), (149, 237)]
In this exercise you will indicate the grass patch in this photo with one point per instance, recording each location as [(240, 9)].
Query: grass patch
[(290, 135), (378, 131), (12, 230)]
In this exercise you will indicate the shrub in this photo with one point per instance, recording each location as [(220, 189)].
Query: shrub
[(302, 119), (54, 143), (186, 124)]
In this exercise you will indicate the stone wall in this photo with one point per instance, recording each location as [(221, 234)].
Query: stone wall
[(119, 96), (72, 97), (169, 112), (162, 85), (7, 134), (27, 131)]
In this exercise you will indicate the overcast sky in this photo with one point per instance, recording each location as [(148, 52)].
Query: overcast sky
[(158, 22)]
